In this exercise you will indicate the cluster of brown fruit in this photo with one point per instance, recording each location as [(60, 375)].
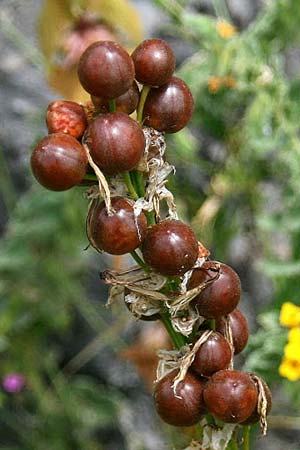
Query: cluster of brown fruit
[(108, 144), (211, 386)]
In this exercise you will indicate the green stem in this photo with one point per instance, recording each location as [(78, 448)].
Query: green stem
[(144, 94), (130, 187), (177, 339), (138, 182), (139, 261), (213, 324), (247, 438), (233, 445), (90, 176), (112, 105)]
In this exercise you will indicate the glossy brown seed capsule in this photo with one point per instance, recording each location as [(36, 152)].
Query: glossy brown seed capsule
[(66, 117), (255, 417), (118, 233), (170, 107), (154, 62), (186, 407), (116, 142), (239, 329), (222, 295), (170, 247), (230, 396), (106, 70), (212, 356), (59, 162), (126, 103)]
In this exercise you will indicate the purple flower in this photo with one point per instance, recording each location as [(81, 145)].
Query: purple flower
[(13, 382)]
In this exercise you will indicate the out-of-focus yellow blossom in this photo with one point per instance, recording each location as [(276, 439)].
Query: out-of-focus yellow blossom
[(292, 351), (225, 29), (214, 84), (290, 369), (294, 336), (289, 315), (229, 82)]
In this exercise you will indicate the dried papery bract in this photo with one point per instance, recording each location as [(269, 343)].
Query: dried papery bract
[(262, 403), (103, 185), (188, 358)]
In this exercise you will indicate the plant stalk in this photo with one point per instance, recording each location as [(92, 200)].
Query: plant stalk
[(144, 94)]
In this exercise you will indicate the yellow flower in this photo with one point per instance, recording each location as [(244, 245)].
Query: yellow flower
[(225, 29), (294, 336), (214, 84), (289, 315), (292, 351), (229, 82), (290, 369)]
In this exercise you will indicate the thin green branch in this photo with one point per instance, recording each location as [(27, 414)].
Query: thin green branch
[(130, 187), (112, 105), (139, 260), (143, 97), (247, 438), (177, 339)]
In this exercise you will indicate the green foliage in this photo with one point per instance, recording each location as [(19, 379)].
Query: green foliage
[(250, 109), (42, 266)]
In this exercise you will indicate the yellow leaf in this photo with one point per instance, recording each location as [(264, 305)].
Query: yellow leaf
[(122, 15), (66, 83), (55, 17)]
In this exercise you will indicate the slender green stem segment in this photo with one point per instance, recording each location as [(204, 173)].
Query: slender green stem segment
[(233, 443), (138, 182), (90, 176), (144, 94), (247, 438), (139, 261), (112, 105), (213, 324), (177, 339), (130, 187)]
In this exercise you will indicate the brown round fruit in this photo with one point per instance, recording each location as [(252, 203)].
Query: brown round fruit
[(106, 70), (239, 329), (222, 295), (59, 162), (126, 103), (154, 62), (170, 247), (170, 107), (118, 233), (255, 417), (186, 407), (66, 117), (116, 142), (230, 396), (212, 356)]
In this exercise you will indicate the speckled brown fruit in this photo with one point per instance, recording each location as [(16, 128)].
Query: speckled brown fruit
[(170, 247), (66, 117), (106, 70), (222, 295), (116, 142), (239, 328), (212, 356), (170, 107), (230, 396), (59, 162), (254, 418), (126, 103), (154, 62), (186, 407), (118, 233)]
